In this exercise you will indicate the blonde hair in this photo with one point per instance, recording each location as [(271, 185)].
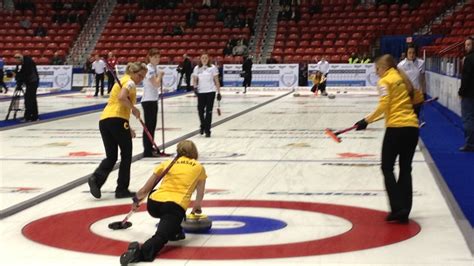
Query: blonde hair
[(188, 149), (135, 67), (387, 61)]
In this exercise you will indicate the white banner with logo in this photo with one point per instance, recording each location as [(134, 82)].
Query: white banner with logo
[(347, 75), (51, 77), (263, 75), (170, 78), (446, 88)]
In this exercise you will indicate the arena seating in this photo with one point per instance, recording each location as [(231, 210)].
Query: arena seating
[(131, 41), (343, 26), (59, 36), (455, 29)]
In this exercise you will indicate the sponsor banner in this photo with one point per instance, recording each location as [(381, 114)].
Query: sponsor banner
[(53, 77), (446, 88), (347, 75), (170, 78), (263, 75)]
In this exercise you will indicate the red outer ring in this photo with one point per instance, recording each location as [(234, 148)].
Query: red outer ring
[(71, 231)]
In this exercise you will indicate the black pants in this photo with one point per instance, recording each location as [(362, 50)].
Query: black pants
[(171, 215), (150, 110), (187, 79), (399, 142), (110, 82), (417, 109), (31, 105), (99, 78), (247, 81), (205, 107), (115, 133), (2, 83), (322, 86)]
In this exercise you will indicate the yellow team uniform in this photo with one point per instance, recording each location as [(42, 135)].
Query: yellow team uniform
[(114, 107), (180, 182), (394, 104)]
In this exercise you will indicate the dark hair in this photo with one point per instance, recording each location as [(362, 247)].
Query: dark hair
[(208, 62), (152, 52), (470, 38), (411, 46)]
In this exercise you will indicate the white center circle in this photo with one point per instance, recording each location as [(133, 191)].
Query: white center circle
[(227, 224)]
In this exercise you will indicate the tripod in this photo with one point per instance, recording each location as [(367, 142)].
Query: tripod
[(15, 103)]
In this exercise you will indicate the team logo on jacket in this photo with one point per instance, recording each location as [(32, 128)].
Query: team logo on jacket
[(126, 126)]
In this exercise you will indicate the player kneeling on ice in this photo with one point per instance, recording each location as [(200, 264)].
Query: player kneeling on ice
[(169, 202)]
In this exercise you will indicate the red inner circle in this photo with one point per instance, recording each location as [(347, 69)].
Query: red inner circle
[(71, 231)]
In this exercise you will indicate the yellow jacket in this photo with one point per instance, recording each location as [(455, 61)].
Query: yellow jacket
[(180, 182), (114, 107), (394, 104)]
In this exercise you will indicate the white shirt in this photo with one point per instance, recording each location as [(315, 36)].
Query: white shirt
[(205, 78), (98, 66), (150, 93), (323, 66), (414, 70)]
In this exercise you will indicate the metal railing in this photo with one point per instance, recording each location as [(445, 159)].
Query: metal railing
[(448, 61)]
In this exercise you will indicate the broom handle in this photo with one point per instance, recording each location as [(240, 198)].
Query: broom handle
[(158, 179), (345, 130)]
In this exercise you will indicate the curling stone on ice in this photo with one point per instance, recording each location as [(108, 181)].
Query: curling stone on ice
[(296, 94), (331, 96), (196, 223)]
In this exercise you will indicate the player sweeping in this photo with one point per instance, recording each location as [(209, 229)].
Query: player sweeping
[(170, 201), (318, 79), (401, 135)]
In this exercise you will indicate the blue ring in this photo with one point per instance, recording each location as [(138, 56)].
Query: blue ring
[(251, 225)]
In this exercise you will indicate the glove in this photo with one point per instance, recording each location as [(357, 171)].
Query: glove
[(219, 97), (136, 202), (361, 124)]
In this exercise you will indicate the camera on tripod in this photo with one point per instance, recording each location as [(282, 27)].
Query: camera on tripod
[(15, 104)]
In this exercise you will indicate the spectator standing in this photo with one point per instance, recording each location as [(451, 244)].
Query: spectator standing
[(192, 18), (466, 92), (98, 66), (247, 72), (57, 59), (185, 70), (27, 74), (2, 83), (111, 64)]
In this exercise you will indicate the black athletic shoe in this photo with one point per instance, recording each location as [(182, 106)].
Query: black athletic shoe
[(124, 194), (131, 255), (93, 187), (178, 236), (398, 217), (208, 134)]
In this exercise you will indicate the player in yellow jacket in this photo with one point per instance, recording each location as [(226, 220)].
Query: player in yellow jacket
[(170, 201), (401, 135), (116, 132)]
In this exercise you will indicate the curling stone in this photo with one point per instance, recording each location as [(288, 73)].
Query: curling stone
[(296, 94), (345, 91), (331, 96), (196, 223)]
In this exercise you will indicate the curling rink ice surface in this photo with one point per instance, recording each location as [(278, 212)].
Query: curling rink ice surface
[(279, 191)]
